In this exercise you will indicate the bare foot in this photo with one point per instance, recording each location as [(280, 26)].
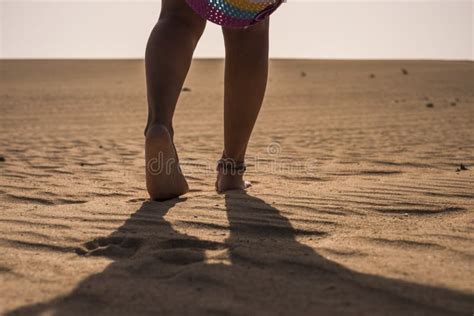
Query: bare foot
[(230, 182), (230, 176), (164, 179)]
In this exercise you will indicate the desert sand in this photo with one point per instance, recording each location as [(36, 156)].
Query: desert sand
[(359, 203)]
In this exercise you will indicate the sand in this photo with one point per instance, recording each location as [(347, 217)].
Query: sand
[(359, 205)]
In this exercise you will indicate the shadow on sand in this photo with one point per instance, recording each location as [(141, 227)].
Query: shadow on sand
[(260, 269)]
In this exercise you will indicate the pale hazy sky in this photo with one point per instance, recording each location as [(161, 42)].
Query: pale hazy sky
[(350, 29)]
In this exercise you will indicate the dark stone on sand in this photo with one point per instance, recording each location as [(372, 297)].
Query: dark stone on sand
[(462, 167), (429, 105), (404, 71), (82, 164), (100, 146), (81, 251), (303, 74), (453, 103), (186, 89), (2, 159), (372, 76)]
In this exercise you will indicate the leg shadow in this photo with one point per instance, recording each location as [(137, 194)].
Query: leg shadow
[(290, 278), (147, 270)]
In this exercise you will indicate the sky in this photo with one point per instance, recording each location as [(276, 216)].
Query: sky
[(321, 29)]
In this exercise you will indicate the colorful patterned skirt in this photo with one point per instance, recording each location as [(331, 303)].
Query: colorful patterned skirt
[(234, 13)]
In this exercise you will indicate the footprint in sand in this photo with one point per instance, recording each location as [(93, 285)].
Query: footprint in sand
[(113, 247)]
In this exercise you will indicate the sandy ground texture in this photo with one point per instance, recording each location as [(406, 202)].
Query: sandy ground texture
[(359, 204)]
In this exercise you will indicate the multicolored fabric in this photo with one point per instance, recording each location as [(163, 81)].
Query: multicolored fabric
[(234, 13)]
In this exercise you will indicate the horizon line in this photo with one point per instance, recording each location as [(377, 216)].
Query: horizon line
[(223, 58)]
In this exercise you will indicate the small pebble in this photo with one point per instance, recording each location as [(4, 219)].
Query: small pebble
[(463, 167), (303, 74), (186, 89), (453, 104), (404, 71), (372, 76), (429, 105), (2, 159)]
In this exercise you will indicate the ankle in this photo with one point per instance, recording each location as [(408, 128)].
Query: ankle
[(235, 158), (230, 168), (155, 129)]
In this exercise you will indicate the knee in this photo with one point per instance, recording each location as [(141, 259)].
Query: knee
[(183, 18)]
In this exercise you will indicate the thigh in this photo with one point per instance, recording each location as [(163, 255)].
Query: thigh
[(177, 6), (180, 10), (258, 32)]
